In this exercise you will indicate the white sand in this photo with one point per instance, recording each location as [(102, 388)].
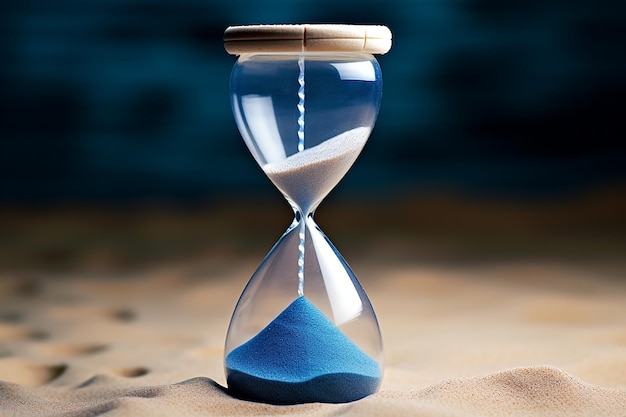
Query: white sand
[(468, 343), (308, 176)]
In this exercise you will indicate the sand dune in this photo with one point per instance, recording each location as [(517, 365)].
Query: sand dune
[(459, 342), (531, 391)]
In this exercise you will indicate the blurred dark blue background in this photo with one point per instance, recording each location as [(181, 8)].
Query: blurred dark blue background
[(128, 99)]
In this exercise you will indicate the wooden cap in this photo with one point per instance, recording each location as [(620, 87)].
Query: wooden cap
[(307, 38)]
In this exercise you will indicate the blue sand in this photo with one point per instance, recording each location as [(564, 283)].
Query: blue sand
[(301, 357)]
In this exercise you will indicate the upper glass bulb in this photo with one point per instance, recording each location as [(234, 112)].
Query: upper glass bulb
[(306, 116)]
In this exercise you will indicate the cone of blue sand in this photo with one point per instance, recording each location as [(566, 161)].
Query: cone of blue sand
[(301, 357)]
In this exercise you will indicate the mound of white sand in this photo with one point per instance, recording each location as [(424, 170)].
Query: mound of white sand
[(308, 176)]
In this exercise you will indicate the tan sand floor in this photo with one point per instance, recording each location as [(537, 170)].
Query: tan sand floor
[(507, 310), (515, 339)]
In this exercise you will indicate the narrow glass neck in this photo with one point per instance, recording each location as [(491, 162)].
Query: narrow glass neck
[(300, 215)]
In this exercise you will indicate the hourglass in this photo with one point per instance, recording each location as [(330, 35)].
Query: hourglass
[(305, 99)]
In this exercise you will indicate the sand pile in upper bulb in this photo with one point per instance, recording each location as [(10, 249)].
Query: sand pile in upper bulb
[(308, 176)]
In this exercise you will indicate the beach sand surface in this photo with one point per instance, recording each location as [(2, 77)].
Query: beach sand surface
[(527, 336), (472, 341)]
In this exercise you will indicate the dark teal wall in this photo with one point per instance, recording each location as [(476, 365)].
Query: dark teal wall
[(127, 99)]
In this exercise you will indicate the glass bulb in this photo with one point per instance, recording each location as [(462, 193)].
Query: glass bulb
[(303, 329)]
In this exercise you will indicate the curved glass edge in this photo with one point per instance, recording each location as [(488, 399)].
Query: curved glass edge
[(329, 284)]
